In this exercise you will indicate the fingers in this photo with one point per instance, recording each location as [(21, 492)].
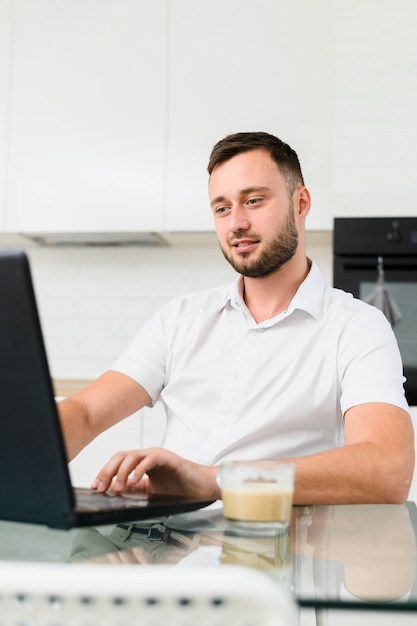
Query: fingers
[(121, 471), (156, 470), (127, 469)]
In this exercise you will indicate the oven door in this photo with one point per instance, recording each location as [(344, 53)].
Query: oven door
[(358, 275)]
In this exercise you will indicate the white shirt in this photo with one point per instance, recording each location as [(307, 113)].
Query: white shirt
[(235, 389)]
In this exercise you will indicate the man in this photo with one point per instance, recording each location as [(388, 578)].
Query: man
[(278, 365)]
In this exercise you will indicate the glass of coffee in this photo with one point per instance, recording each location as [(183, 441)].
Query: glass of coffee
[(257, 495)]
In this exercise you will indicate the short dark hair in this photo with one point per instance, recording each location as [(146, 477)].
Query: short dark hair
[(283, 155)]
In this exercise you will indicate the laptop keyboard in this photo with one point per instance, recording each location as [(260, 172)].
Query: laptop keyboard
[(89, 500)]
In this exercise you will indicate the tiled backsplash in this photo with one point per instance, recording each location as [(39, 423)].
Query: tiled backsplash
[(92, 300)]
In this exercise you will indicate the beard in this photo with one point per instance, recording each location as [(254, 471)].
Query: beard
[(278, 251)]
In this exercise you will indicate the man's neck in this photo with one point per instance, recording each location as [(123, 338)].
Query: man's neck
[(269, 295)]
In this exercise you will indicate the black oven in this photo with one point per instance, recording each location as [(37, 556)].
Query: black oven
[(371, 254)]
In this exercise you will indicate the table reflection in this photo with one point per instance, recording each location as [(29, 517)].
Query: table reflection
[(343, 555), (353, 553), (215, 544)]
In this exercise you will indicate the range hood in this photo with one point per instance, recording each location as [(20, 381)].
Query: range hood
[(131, 238), (97, 239)]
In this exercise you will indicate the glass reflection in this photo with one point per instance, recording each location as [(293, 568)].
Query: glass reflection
[(361, 553)]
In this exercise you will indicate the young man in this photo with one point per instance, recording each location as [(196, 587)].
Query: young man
[(276, 366)]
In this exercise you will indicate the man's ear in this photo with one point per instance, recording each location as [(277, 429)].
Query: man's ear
[(302, 201)]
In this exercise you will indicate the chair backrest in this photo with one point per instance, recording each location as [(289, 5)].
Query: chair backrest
[(49, 594)]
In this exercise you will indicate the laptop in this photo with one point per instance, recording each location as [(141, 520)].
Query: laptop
[(35, 484)]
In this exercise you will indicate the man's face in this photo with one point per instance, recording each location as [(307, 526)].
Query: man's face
[(253, 215)]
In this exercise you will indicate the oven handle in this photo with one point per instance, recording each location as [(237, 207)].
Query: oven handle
[(405, 263)]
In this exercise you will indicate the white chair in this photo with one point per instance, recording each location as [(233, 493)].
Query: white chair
[(45, 594)]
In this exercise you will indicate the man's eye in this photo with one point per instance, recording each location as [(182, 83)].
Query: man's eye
[(221, 209), (253, 201)]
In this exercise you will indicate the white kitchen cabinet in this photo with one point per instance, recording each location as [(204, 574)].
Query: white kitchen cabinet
[(87, 124), (240, 66), (5, 40), (109, 109), (375, 104)]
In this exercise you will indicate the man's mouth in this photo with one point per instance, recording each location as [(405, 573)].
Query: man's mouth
[(244, 245)]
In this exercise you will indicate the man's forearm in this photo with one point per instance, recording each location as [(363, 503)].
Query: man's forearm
[(353, 474), (74, 425)]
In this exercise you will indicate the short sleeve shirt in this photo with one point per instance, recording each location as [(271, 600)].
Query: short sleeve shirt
[(236, 389)]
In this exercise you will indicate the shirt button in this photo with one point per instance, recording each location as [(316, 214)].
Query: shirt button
[(235, 374)]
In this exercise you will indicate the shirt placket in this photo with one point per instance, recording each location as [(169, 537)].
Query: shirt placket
[(238, 384)]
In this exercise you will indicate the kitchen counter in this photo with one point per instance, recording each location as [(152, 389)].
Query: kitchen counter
[(67, 386)]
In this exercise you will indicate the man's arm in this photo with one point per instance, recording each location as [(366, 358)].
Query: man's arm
[(375, 466), (105, 402)]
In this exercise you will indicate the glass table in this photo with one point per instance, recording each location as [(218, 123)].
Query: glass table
[(346, 556)]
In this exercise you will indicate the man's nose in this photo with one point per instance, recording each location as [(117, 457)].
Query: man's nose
[(239, 219)]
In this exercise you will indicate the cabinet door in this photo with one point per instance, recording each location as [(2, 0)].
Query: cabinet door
[(375, 105), (5, 32), (87, 130), (240, 66)]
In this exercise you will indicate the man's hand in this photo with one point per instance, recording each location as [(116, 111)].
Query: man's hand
[(157, 471)]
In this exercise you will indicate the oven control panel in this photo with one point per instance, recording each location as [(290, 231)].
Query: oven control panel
[(375, 235)]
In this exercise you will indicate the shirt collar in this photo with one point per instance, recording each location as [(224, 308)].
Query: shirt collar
[(309, 295), (308, 298), (235, 294)]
